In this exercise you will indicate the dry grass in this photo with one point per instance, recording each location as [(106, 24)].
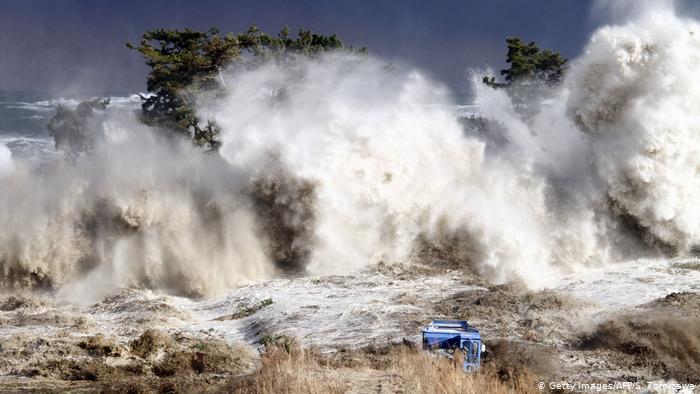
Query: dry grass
[(402, 370), (286, 370), (422, 372), (159, 362)]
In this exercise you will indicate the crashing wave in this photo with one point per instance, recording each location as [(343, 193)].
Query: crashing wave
[(331, 164)]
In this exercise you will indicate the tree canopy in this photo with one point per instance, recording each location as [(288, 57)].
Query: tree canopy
[(187, 63), (71, 130), (529, 62)]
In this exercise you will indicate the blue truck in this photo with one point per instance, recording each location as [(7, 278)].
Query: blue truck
[(448, 336)]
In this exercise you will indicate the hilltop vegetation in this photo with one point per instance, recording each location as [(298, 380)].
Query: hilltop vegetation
[(532, 71), (186, 64), (71, 129), (528, 62)]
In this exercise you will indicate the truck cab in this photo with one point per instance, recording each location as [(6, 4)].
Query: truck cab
[(449, 336)]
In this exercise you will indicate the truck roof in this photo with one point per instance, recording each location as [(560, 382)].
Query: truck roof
[(452, 326)]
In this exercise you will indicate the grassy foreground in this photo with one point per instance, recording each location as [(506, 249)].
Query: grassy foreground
[(395, 369)]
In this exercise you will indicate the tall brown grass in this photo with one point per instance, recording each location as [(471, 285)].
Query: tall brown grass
[(422, 372), (286, 369), (405, 370)]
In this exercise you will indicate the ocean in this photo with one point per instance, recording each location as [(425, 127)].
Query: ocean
[(24, 116)]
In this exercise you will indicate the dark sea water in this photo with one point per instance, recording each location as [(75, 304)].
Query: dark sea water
[(24, 116)]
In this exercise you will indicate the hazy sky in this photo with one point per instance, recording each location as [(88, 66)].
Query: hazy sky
[(55, 45)]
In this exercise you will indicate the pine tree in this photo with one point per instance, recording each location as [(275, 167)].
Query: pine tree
[(528, 62), (186, 63)]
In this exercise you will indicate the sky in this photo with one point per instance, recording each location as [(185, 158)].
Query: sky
[(79, 45)]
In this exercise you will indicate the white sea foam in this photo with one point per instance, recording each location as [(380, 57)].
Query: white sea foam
[(635, 95), (390, 165), (334, 163), (6, 164)]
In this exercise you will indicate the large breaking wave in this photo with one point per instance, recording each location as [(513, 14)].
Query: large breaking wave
[(635, 96), (331, 164)]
